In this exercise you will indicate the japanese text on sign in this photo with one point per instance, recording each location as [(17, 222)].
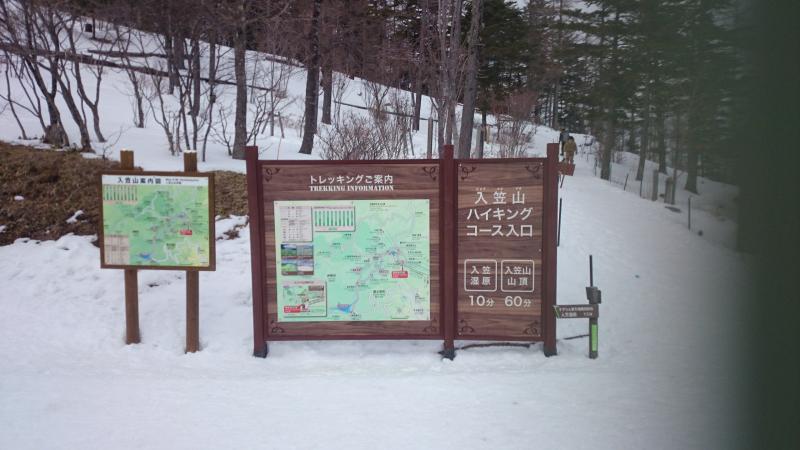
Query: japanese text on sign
[(493, 216)]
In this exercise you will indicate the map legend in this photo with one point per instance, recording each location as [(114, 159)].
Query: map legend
[(335, 218)]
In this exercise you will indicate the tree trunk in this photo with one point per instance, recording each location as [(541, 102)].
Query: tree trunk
[(644, 146), (608, 144), (417, 104), (483, 133), (240, 121), (691, 168), (86, 144), (312, 83), (327, 87), (661, 141), (471, 83)]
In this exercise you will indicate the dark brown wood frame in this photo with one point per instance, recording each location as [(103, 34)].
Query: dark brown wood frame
[(211, 220), (447, 232)]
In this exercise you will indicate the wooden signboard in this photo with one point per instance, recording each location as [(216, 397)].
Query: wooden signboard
[(386, 249), (157, 220), (349, 250), (502, 262)]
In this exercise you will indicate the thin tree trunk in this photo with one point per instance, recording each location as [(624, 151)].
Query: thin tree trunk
[(312, 82), (471, 82), (644, 146), (66, 94), (661, 141), (240, 123), (327, 88)]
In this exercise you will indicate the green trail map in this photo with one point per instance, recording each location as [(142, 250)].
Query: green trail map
[(153, 221), (365, 260)]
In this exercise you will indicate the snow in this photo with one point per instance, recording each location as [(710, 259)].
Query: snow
[(2, 228), (661, 381), (19, 198), (665, 377), (74, 217)]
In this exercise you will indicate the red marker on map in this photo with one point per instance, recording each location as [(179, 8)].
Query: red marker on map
[(186, 232)]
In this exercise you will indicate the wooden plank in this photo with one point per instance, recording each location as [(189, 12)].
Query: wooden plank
[(132, 335), (500, 249), (192, 276)]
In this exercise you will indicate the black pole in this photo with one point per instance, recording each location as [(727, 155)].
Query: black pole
[(558, 241), (593, 327), (690, 213), (626, 181)]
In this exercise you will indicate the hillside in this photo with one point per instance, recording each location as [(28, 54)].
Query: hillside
[(670, 323)]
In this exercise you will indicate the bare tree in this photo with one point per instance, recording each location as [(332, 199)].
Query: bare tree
[(471, 77), (312, 81), (20, 36)]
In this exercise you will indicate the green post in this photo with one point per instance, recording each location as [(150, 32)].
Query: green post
[(593, 338)]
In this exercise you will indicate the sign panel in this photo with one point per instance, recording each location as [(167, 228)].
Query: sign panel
[(352, 260), (576, 311), (500, 223), (351, 249), (157, 220)]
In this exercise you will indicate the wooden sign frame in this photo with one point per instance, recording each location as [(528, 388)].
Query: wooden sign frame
[(211, 222), (262, 175)]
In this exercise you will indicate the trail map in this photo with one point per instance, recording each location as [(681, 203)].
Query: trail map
[(365, 260), (156, 221)]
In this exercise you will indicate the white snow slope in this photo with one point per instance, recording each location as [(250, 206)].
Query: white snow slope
[(663, 378)]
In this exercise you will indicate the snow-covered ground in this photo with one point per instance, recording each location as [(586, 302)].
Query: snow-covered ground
[(665, 377)]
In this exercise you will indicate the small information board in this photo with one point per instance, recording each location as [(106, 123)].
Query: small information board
[(157, 220), (576, 311)]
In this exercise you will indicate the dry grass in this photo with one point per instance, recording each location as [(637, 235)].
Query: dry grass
[(56, 184)]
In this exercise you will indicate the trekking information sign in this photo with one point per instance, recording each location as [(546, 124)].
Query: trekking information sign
[(157, 220), (408, 249), (345, 250)]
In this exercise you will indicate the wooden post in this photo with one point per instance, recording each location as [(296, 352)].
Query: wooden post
[(560, 203), (132, 335), (430, 137), (448, 239), (192, 279), (654, 194), (689, 224), (593, 325), (549, 249), (255, 206)]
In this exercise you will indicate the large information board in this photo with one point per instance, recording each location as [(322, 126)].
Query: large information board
[(414, 249), (346, 250), (157, 220)]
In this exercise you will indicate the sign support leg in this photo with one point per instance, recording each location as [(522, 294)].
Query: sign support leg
[(132, 307), (448, 252), (192, 280), (593, 338), (192, 311), (549, 250), (132, 335)]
